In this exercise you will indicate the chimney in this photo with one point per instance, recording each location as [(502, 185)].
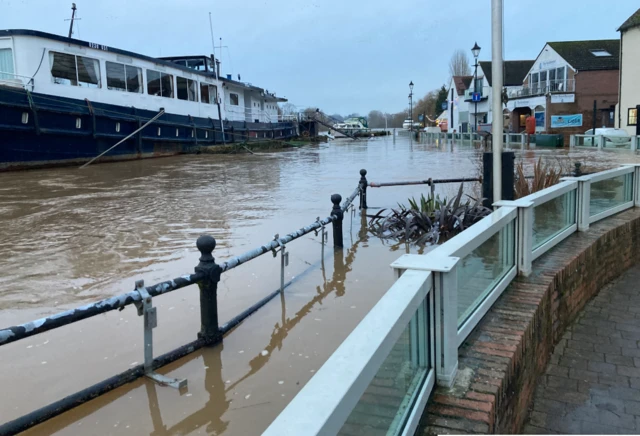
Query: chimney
[(217, 68)]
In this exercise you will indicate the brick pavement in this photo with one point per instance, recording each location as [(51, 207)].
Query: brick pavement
[(592, 383)]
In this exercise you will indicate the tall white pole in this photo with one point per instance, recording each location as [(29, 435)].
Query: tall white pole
[(496, 73)]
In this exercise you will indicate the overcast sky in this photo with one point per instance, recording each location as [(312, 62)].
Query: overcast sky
[(342, 56)]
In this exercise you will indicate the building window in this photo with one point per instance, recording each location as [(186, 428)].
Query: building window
[(632, 116), (186, 89), (534, 82), (160, 84), (121, 77), (234, 100), (208, 93), (74, 70)]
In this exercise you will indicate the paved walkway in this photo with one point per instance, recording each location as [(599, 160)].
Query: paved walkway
[(592, 383)]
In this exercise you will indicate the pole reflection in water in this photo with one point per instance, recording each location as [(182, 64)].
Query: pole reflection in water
[(210, 415)]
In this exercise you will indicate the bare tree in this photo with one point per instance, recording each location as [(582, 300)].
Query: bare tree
[(289, 109), (459, 64)]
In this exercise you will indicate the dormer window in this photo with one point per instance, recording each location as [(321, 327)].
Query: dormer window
[(600, 53)]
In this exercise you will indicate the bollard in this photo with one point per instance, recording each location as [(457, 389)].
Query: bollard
[(338, 215), (209, 329), (363, 189), (578, 169)]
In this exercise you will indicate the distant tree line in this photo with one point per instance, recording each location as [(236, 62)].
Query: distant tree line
[(430, 106)]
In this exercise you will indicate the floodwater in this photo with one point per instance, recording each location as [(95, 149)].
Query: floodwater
[(70, 236)]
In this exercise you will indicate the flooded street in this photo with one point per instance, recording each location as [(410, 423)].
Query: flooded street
[(69, 237)]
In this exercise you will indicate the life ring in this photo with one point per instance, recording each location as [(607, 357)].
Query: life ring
[(305, 133)]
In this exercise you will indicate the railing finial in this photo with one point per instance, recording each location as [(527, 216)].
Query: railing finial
[(206, 244)]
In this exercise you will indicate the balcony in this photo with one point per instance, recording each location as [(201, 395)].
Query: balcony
[(552, 86), (468, 94)]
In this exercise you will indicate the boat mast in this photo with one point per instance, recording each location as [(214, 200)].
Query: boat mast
[(213, 46), (73, 15)]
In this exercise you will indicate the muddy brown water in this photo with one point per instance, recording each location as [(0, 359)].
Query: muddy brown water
[(69, 237)]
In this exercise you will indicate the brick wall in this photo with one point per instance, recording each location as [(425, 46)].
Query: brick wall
[(501, 360), (601, 86)]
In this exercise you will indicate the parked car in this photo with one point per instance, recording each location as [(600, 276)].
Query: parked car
[(613, 137)]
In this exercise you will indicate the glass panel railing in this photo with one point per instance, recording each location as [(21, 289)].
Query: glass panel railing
[(481, 270), (386, 403), (610, 193), (619, 142), (553, 217), (587, 140)]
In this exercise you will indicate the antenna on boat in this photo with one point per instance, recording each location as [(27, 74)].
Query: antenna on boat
[(213, 45), (73, 15)]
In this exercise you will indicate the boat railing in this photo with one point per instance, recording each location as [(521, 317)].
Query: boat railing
[(16, 81)]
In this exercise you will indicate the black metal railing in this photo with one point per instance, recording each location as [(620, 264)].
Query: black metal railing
[(207, 275)]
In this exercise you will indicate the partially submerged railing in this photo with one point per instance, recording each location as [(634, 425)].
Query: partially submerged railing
[(437, 300), (614, 142), (508, 138), (207, 275)]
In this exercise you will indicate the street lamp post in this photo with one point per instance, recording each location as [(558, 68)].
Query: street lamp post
[(411, 103), (476, 52)]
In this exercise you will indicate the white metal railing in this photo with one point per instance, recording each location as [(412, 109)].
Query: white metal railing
[(586, 141), (552, 86), (605, 141), (16, 80), (439, 298)]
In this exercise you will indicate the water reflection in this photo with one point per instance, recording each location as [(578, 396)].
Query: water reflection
[(210, 415)]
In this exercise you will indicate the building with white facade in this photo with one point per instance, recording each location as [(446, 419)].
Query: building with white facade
[(514, 74), (629, 88), (458, 107), (566, 81)]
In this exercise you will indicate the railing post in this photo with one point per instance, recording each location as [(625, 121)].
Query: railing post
[(636, 186), (445, 287), (338, 215), (524, 242), (601, 141), (584, 198), (363, 188), (446, 308), (209, 329)]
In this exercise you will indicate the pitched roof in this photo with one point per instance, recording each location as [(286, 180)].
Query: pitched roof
[(632, 21), (580, 56), (514, 71), (462, 83)]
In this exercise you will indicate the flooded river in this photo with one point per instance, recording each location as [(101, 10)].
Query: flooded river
[(70, 236)]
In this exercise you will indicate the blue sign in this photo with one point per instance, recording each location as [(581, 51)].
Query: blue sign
[(539, 119), (420, 117), (444, 106), (476, 96), (559, 121)]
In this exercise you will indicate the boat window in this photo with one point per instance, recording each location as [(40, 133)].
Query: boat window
[(186, 89), (160, 84), (6, 64), (208, 93), (122, 77), (204, 93), (74, 70), (234, 99)]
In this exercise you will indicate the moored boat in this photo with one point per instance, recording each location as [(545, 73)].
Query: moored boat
[(65, 101)]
